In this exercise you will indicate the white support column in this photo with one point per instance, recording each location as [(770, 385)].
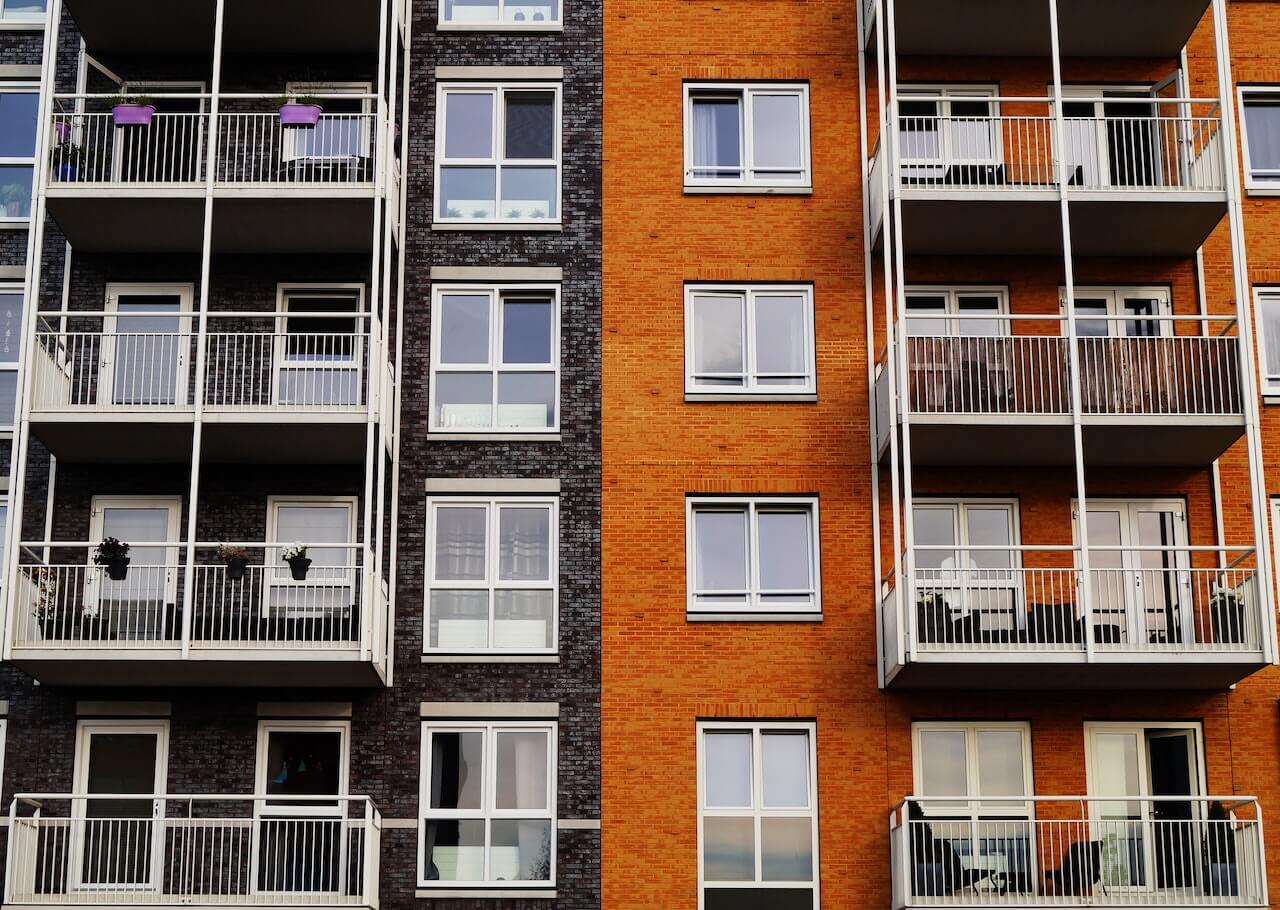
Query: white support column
[(1244, 316), (1073, 348), (30, 306), (206, 269)]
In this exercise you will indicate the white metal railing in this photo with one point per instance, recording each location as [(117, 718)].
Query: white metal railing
[(88, 148), (1165, 144), (255, 148), (181, 850), (103, 371), (1019, 369), (1022, 599), (63, 600), (1065, 851)]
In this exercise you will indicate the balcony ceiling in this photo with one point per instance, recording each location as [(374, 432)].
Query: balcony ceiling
[(250, 26), (1020, 28), (1047, 670)]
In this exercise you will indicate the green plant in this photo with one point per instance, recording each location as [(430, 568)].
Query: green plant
[(282, 100), (109, 551), (140, 100)]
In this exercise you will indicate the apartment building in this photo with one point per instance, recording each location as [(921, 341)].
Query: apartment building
[(1020, 650), (311, 328)]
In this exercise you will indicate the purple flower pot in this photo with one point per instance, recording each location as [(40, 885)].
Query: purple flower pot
[(62, 129), (300, 114), (133, 114)]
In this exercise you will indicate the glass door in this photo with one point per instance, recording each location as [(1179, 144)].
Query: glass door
[(138, 605), (144, 347), (1111, 142)]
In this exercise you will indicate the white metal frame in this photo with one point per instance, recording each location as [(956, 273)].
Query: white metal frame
[(491, 583), (289, 292), (488, 813), (277, 575), (750, 597), (85, 730), (289, 150), (757, 812), (494, 366), (750, 176), (745, 295), (24, 88), (497, 160), (111, 325), (1269, 181)]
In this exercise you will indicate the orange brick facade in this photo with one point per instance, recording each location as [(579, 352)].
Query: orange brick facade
[(662, 673)]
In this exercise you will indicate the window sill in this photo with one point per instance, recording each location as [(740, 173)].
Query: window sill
[(799, 398), (1262, 191), (491, 658), (493, 437), (15, 224), (738, 189), (504, 226), (498, 27), (1271, 398), (21, 25), (753, 617), (496, 893)]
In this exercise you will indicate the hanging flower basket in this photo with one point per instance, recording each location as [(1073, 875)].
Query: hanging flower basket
[(113, 555), (298, 114), (299, 564), (133, 114), (236, 560)]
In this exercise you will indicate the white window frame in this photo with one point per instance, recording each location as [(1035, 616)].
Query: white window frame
[(6, 426), (488, 789), (953, 295), (96, 578), (750, 177), (757, 812), (286, 295), (942, 94), (1256, 185), (13, 19), (1275, 532), (289, 152), (20, 87), (746, 294), (1009, 806), (1266, 297), (500, 24), (263, 772), (493, 506), (114, 322), (1116, 317), (752, 505), (497, 159), (276, 574), (494, 366)]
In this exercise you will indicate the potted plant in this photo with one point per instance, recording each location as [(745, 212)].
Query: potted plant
[(296, 557), (45, 603), (299, 110), (236, 559), (132, 110), (1226, 609), (1221, 876), (114, 554), (66, 158)]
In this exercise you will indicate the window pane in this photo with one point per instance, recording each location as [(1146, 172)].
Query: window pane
[(934, 527), (459, 620), (989, 527), (942, 763), (1097, 328), (786, 849), (786, 770), (728, 773), (15, 191), (728, 849), (720, 550), (464, 400), (780, 334), (524, 544), (521, 850), (776, 132), (464, 328), (303, 763), (454, 851), (527, 400), (10, 326), (313, 525), (978, 306), (1262, 124), (1000, 765), (717, 140), (529, 192), (531, 129), (471, 10), (1269, 313), (24, 9), (468, 125), (526, 331), (459, 543), (468, 192), (920, 324), (522, 770), (18, 124), (718, 338), (523, 620), (785, 551)]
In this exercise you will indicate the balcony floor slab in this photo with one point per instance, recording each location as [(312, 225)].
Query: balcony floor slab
[(225, 667), (1069, 670)]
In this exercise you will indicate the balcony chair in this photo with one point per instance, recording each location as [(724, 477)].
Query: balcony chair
[(936, 867), (1079, 871), (1054, 624)]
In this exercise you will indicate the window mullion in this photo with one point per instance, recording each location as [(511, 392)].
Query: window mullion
[(748, 150), (757, 798), (749, 341), (753, 556)]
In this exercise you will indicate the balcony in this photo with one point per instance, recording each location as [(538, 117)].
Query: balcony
[(1148, 182), (269, 391), (72, 850), (1013, 28), (1068, 851), (165, 622), (1162, 398), (280, 189), (1009, 617)]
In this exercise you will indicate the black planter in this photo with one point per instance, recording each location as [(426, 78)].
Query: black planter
[(1228, 620), (118, 568), (298, 566), (236, 566)]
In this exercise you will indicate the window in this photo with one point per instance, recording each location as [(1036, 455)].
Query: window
[(1267, 314), (344, 132), (11, 303), (327, 589), (1261, 126), (302, 758), (757, 816), (758, 555), (746, 135), (971, 590), (488, 804), (962, 769), (492, 575), (504, 14), (19, 108), (495, 361), (321, 362), (940, 127), (1103, 312), (952, 312), (498, 153), (22, 11), (749, 340)]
